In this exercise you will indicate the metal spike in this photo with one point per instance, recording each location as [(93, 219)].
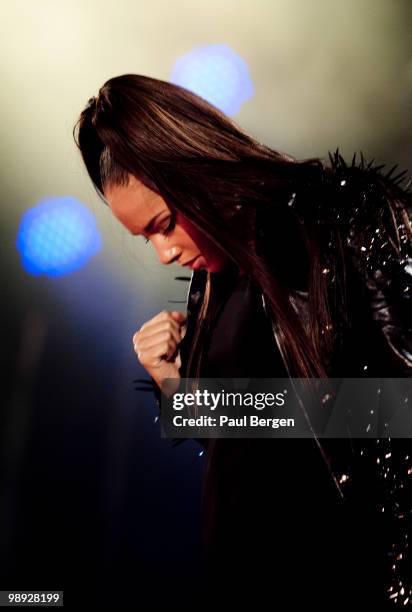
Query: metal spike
[(391, 170), (353, 159), (399, 177), (342, 161), (362, 161)]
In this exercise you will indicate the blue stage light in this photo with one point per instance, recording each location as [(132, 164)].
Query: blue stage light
[(217, 74), (57, 236)]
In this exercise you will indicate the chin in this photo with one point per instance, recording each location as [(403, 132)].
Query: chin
[(216, 265), (212, 268)]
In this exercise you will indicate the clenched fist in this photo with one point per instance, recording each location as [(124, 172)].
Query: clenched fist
[(156, 345)]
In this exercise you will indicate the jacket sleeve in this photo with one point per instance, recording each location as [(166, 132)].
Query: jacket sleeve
[(380, 252), (159, 398), (151, 385), (373, 216), (374, 212)]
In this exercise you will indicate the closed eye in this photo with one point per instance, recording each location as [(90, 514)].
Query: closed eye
[(171, 222)]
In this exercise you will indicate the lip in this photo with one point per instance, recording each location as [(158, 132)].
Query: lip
[(195, 263), (189, 263)]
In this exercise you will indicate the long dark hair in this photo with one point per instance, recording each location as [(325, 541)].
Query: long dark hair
[(229, 186)]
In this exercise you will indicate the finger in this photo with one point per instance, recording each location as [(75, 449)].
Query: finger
[(179, 316), (159, 342), (153, 356), (168, 327), (162, 316), (163, 336), (183, 331)]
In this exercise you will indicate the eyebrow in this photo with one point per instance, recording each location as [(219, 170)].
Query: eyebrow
[(149, 226)]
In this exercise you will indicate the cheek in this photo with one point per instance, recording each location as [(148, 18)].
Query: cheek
[(215, 258), (195, 236)]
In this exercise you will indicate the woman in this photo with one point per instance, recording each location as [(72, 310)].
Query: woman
[(300, 269)]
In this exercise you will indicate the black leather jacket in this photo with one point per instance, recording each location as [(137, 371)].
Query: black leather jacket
[(351, 203)]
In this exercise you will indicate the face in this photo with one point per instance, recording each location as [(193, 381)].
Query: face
[(144, 212)]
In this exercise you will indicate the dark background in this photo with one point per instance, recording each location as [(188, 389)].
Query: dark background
[(93, 501)]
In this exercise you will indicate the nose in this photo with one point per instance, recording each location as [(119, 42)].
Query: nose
[(166, 253)]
